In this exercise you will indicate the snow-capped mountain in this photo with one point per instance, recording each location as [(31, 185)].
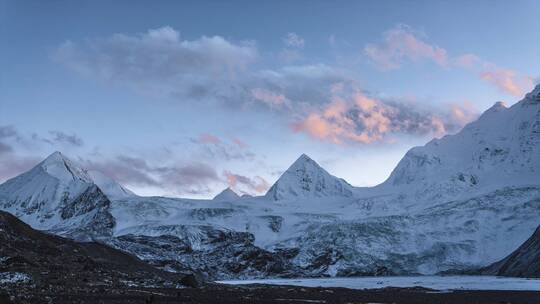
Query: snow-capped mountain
[(460, 202), (59, 196), (500, 149), (226, 195), (306, 179)]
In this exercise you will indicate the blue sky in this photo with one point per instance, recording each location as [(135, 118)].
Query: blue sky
[(186, 98)]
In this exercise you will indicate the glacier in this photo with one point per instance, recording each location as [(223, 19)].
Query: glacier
[(460, 202)]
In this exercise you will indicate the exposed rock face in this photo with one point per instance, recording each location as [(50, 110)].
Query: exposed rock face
[(306, 179), (52, 263), (524, 262), (217, 254)]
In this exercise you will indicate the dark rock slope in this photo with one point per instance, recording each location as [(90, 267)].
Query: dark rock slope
[(30, 259), (523, 262)]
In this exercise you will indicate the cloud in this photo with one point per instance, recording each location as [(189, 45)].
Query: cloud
[(401, 43), (293, 40), (244, 184), (193, 177), (208, 139), (270, 98), (467, 61), (7, 132), (5, 148), (508, 81), (212, 147), (159, 61), (364, 119), (240, 143), (301, 84), (71, 139)]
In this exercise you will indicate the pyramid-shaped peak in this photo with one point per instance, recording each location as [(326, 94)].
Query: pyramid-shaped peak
[(56, 156), (305, 178), (226, 195), (302, 160)]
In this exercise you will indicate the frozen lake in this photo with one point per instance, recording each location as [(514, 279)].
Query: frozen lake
[(433, 282)]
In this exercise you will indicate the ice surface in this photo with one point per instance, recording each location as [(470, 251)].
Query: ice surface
[(434, 282)]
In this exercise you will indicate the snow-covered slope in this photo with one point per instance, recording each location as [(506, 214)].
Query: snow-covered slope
[(500, 149), (226, 195), (306, 179), (57, 195), (109, 186)]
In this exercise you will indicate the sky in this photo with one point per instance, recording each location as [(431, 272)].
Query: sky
[(186, 98)]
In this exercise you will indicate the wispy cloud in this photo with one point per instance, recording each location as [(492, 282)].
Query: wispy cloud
[(269, 97), (71, 139), (508, 81), (244, 184), (184, 178), (293, 40), (208, 139), (402, 43), (212, 147)]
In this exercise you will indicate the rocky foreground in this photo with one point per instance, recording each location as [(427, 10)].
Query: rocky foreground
[(224, 294)]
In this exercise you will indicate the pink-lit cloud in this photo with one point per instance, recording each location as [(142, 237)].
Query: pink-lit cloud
[(364, 119), (206, 138), (401, 43), (507, 80), (244, 184)]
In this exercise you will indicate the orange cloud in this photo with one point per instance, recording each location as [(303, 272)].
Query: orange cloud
[(363, 119)]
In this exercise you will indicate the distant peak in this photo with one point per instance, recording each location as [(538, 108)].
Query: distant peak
[(304, 159), (499, 106), (306, 178), (226, 194)]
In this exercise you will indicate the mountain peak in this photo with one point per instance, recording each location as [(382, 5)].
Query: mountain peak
[(304, 158), (305, 178), (226, 195), (61, 167), (56, 156)]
